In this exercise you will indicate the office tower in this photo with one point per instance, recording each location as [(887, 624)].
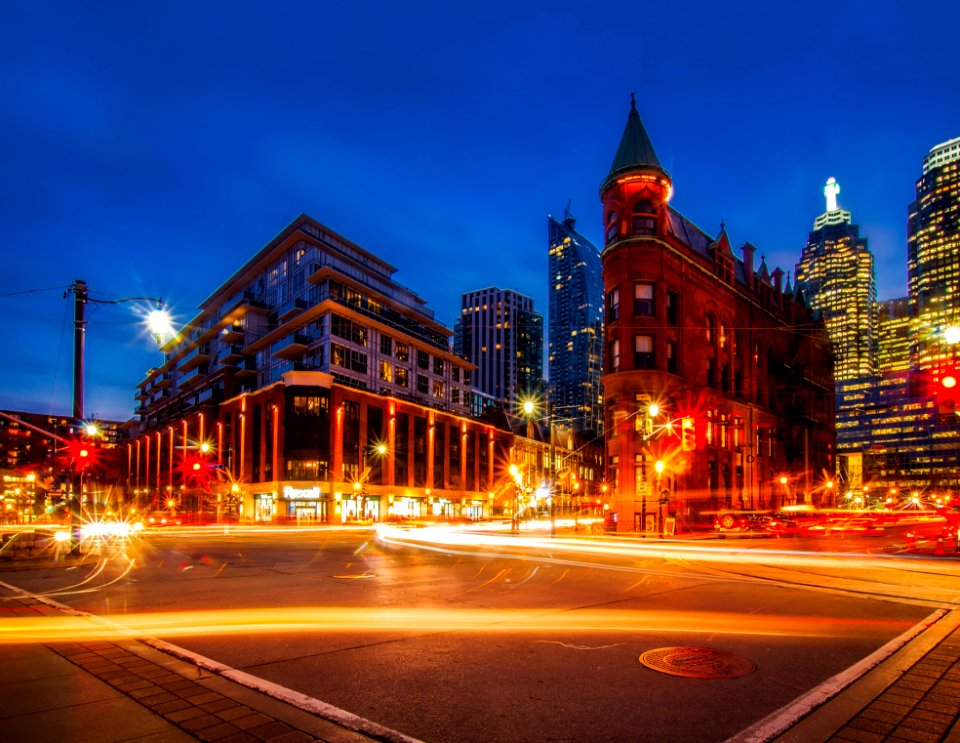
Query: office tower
[(575, 287), (836, 274), (933, 247), (717, 378), (499, 332), (893, 335)]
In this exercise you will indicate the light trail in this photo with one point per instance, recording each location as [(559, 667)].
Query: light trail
[(852, 574), (416, 621), (458, 540)]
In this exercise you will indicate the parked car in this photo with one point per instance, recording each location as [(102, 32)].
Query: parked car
[(733, 522)]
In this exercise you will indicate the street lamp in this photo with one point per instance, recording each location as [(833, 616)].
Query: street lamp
[(529, 406), (517, 480), (160, 322), (646, 423)]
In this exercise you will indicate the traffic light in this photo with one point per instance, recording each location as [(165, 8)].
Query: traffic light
[(82, 455), (195, 469), (945, 390), (688, 434)]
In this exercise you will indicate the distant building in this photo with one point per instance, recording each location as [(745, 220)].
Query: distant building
[(900, 434), (933, 244), (499, 332), (575, 287), (836, 273), (35, 462), (714, 369)]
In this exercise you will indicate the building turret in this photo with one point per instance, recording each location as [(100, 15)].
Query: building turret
[(636, 188)]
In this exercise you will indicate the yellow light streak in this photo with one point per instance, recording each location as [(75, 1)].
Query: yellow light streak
[(415, 621)]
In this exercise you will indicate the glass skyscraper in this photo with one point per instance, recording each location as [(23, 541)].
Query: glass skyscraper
[(575, 286), (836, 273), (933, 244)]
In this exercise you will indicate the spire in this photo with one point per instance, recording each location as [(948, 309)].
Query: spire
[(569, 220), (764, 273), (635, 150)]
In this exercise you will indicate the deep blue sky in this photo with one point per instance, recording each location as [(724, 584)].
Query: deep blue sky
[(152, 148)]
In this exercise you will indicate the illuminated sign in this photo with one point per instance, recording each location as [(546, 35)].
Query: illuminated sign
[(291, 493)]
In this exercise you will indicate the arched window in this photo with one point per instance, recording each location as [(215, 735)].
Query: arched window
[(613, 226), (644, 218)]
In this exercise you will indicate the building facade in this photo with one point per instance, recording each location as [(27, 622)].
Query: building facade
[(311, 378), (718, 380), (893, 336), (501, 334), (575, 338)]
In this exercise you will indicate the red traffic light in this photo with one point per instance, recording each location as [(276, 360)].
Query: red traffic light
[(688, 434), (195, 469), (82, 454)]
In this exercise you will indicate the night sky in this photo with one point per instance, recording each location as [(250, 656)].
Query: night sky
[(152, 148)]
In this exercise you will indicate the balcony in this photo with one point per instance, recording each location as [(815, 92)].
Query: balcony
[(291, 347), (247, 368), (232, 354), (232, 334), (291, 309), (240, 303), (197, 372), (199, 355), (164, 380)]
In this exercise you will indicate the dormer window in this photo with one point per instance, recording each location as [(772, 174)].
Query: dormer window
[(644, 218)]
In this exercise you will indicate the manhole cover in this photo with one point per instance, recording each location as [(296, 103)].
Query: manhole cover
[(698, 663)]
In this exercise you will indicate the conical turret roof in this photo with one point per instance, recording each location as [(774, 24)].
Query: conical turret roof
[(635, 151)]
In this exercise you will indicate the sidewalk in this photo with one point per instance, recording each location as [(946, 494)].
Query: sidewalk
[(912, 697), (105, 692)]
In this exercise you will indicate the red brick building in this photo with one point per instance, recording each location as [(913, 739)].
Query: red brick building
[(310, 449), (718, 380)]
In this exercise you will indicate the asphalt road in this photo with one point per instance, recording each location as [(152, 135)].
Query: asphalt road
[(512, 639)]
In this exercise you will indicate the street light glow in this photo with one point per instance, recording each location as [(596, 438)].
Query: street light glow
[(160, 323)]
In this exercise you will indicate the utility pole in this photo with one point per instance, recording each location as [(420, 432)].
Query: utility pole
[(79, 337), (553, 469)]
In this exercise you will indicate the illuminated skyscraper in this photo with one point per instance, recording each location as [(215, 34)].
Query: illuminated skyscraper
[(893, 333), (499, 331), (933, 246), (575, 288), (836, 273)]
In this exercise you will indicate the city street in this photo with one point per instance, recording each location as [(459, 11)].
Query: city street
[(462, 636)]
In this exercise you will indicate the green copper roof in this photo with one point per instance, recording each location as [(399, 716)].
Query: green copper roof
[(635, 150)]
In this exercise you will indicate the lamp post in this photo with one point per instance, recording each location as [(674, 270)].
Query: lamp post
[(515, 474), (159, 323), (529, 407), (646, 433)]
